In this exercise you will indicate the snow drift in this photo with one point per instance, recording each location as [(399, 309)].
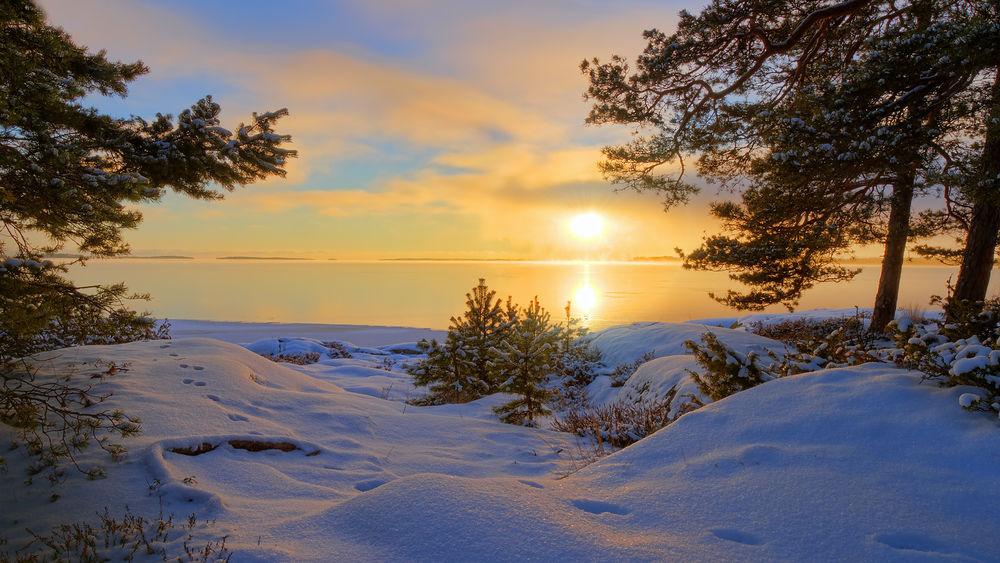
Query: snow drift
[(857, 463)]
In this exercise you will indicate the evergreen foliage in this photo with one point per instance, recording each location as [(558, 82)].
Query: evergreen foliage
[(963, 350), (528, 357), (833, 115), (68, 175), (726, 371), (499, 347), (465, 367)]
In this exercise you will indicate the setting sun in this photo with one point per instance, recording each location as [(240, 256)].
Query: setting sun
[(587, 225)]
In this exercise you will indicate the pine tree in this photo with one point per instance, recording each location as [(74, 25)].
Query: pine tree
[(446, 374), (479, 332), (576, 361), (529, 358), (708, 89), (68, 175), (68, 172), (465, 367)]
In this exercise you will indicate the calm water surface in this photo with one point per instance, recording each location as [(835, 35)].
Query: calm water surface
[(427, 294)]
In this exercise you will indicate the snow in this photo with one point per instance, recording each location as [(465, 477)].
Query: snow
[(856, 464), (967, 399), (625, 344)]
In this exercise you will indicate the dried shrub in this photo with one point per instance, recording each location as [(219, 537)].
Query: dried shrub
[(619, 425), (56, 419), (621, 373), (297, 359), (126, 538), (337, 350), (798, 330)]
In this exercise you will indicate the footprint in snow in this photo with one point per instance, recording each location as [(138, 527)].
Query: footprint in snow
[(214, 398), (599, 507), (188, 381), (365, 486), (198, 368), (238, 418), (165, 346), (911, 541), (174, 355), (200, 384), (183, 365), (733, 535)]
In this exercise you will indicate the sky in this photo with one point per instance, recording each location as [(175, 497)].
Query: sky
[(439, 129)]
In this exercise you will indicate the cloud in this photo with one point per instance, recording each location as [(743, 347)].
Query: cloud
[(482, 124)]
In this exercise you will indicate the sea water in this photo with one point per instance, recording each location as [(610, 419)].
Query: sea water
[(427, 293)]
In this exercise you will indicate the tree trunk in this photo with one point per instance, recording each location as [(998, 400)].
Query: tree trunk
[(892, 260), (980, 246)]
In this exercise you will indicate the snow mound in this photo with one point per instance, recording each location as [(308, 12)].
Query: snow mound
[(624, 344), (852, 464), (650, 383)]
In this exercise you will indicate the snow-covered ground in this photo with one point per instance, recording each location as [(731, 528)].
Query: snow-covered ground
[(851, 464)]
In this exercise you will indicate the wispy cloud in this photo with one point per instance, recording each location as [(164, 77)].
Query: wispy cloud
[(487, 109)]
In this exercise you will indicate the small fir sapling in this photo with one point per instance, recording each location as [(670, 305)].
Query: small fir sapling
[(464, 367), (528, 357), (498, 347), (726, 370), (577, 362)]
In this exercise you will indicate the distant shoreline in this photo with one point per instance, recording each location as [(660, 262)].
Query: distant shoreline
[(260, 258)]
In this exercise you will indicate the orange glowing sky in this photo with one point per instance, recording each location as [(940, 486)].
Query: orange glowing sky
[(447, 128)]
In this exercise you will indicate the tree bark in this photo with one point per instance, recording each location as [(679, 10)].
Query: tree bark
[(980, 246), (892, 260)]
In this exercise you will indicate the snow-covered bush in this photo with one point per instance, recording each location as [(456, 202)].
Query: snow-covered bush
[(936, 350), (726, 370), (823, 343)]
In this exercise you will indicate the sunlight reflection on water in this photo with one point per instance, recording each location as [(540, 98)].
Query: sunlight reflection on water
[(427, 294)]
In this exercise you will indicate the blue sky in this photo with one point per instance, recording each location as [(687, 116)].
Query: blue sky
[(435, 129)]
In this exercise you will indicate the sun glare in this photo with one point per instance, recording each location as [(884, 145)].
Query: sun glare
[(587, 225), (584, 299)]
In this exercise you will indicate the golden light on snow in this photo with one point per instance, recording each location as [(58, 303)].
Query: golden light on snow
[(587, 225)]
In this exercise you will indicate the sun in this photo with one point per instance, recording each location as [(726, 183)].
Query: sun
[(587, 225)]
